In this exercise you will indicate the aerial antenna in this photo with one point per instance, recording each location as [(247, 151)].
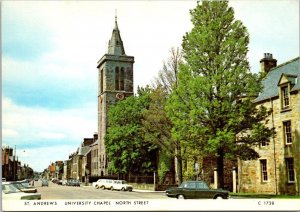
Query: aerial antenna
[(116, 24)]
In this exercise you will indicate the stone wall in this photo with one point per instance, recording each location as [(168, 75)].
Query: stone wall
[(276, 152)]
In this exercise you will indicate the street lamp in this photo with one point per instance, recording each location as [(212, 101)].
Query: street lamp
[(14, 165)]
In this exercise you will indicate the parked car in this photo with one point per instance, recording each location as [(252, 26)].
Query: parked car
[(26, 184), (54, 180), (45, 182), (103, 184), (10, 192), (121, 185), (23, 188), (196, 190), (73, 182), (64, 182)]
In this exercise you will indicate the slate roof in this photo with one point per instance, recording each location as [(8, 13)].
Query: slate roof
[(84, 150), (270, 83)]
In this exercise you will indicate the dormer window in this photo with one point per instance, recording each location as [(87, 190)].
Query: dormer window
[(286, 84), (285, 97)]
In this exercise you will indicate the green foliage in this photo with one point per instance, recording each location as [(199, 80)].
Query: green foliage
[(164, 165), (212, 108), (126, 148), (156, 125)]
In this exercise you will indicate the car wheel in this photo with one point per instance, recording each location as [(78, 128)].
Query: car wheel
[(180, 196), (112, 188), (122, 189), (102, 187), (219, 197), (97, 187)]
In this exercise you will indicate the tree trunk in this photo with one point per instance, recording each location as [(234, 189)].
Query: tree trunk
[(179, 169), (179, 164), (220, 167)]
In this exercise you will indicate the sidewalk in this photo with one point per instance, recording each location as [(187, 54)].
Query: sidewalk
[(134, 190)]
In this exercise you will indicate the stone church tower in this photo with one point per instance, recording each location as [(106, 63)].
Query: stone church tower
[(115, 83)]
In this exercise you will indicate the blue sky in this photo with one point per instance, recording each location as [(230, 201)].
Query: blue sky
[(50, 51)]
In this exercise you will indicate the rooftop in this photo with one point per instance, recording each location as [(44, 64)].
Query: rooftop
[(270, 83)]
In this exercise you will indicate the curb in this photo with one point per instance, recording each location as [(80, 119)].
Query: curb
[(147, 191)]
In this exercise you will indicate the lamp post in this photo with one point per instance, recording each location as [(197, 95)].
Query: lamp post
[(14, 165)]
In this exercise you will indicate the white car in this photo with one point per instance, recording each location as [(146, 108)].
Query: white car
[(121, 185), (103, 184), (10, 192)]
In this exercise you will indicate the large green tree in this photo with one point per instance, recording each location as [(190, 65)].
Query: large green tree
[(127, 150), (212, 108)]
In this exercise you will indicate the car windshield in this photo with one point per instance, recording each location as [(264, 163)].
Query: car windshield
[(196, 184), (26, 185), (183, 185), (18, 185), (9, 188)]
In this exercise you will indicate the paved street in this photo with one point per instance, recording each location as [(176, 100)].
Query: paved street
[(55, 191)]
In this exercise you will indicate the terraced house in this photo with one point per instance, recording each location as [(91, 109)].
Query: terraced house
[(277, 171)]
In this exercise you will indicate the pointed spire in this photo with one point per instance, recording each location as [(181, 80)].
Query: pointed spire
[(115, 45)]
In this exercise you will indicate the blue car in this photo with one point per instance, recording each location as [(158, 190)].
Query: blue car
[(45, 183)]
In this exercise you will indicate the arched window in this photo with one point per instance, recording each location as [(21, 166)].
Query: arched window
[(129, 79), (101, 81), (117, 78), (122, 79)]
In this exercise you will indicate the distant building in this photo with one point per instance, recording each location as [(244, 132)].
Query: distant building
[(51, 172), (59, 168), (115, 73), (11, 167), (85, 157), (94, 158), (79, 164), (277, 171), (66, 172)]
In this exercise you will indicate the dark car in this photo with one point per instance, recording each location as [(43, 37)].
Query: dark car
[(196, 190), (73, 182)]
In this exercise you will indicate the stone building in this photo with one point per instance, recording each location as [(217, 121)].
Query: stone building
[(12, 168), (80, 161), (277, 171), (115, 74), (94, 158)]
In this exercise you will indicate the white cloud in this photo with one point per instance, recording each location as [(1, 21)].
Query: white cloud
[(9, 133), (50, 135), (36, 124), (40, 158)]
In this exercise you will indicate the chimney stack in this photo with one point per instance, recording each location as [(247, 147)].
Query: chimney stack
[(95, 136), (267, 63)]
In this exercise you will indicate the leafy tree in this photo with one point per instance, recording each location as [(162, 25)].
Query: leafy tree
[(157, 130), (157, 124), (167, 77), (126, 148), (212, 108)]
